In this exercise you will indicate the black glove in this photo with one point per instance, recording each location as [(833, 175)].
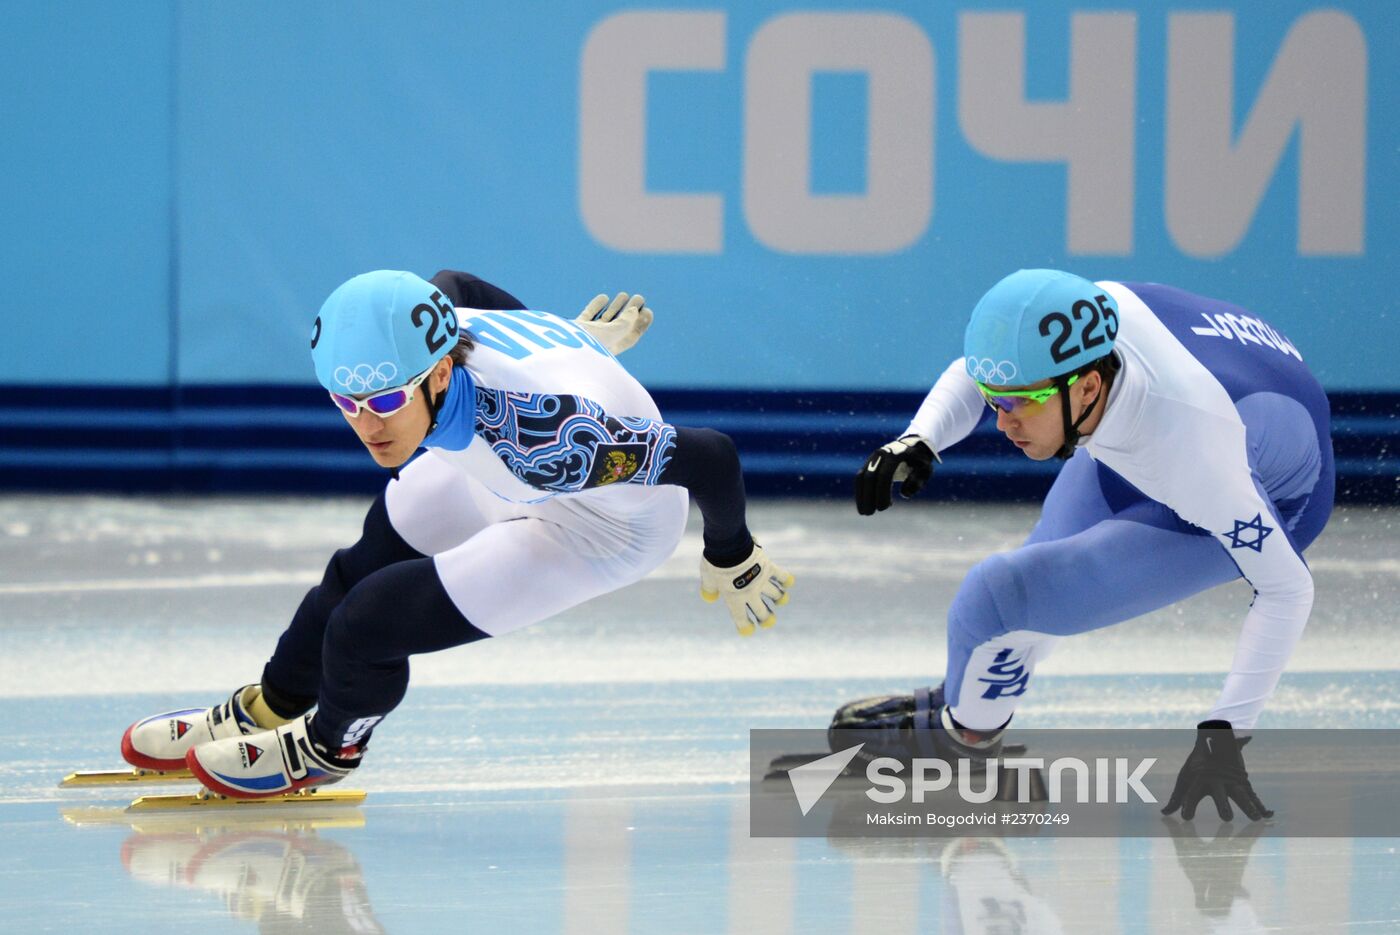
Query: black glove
[(908, 459), (1216, 769)]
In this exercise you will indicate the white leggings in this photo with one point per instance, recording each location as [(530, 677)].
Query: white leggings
[(507, 565)]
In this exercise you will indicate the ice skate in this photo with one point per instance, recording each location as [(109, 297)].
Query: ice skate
[(152, 746), (910, 726), (266, 763), (160, 743)]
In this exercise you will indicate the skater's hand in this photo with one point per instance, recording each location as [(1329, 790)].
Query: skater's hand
[(618, 324), (1215, 768), (751, 589), (907, 461)]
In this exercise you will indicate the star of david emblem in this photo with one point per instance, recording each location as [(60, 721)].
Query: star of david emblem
[(1239, 536)]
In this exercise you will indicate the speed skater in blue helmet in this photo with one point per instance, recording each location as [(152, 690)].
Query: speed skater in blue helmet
[(1200, 452), (1036, 334), (381, 346)]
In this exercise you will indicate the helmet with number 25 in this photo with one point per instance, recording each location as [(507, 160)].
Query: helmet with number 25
[(378, 331)]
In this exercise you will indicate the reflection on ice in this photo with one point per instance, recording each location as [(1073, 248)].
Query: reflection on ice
[(587, 775), (588, 863), (278, 873), (1215, 867)]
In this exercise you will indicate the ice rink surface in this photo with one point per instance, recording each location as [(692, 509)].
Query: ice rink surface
[(589, 775)]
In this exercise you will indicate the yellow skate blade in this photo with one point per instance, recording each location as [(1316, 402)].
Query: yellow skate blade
[(121, 777), (207, 799)]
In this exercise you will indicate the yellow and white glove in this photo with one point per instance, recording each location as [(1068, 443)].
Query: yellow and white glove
[(617, 324), (751, 589)]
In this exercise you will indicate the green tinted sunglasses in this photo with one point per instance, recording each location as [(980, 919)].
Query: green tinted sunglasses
[(1010, 400)]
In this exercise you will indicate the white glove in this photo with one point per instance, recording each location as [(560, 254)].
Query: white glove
[(751, 589), (616, 325)]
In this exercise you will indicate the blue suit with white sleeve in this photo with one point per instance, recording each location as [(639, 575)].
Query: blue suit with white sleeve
[(1212, 461)]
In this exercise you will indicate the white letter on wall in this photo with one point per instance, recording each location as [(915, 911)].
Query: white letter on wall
[(894, 210), (616, 208), (1091, 131), (1317, 83)]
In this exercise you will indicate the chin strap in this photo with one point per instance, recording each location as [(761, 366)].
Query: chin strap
[(1072, 428), (435, 406)]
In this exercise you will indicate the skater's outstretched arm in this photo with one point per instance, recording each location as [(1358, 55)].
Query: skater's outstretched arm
[(616, 323), (949, 413), (733, 566)]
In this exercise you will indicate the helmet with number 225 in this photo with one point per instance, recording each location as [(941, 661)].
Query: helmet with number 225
[(1037, 324)]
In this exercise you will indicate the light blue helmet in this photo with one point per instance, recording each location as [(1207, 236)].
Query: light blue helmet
[(1036, 324), (380, 330)]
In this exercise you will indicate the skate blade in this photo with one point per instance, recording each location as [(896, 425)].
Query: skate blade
[(120, 777), (207, 799)]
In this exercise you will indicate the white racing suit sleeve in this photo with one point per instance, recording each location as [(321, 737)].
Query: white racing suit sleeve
[(1224, 498), (1283, 599), (951, 410)]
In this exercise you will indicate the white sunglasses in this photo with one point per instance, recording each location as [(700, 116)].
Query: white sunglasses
[(385, 402)]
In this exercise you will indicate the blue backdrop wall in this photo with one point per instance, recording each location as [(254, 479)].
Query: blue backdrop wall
[(811, 195)]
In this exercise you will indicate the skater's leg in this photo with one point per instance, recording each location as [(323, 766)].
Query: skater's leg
[(515, 574), (396, 612), (1010, 605), (1075, 502), (431, 505), (1103, 553), (292, 677), (508, 576), (1290, 453), (435, 506), (1084, 493)]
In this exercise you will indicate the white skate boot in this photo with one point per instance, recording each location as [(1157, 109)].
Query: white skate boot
[(161, 742), (266, 763)]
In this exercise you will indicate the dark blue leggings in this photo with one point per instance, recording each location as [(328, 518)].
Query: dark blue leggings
[(346, 650)]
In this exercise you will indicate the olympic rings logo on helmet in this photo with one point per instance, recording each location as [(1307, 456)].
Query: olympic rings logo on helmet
[(995, 372), (366, 378)]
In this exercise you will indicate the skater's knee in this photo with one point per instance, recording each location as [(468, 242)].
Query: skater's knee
[(372, 620), (395, 612), (986, 604)]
